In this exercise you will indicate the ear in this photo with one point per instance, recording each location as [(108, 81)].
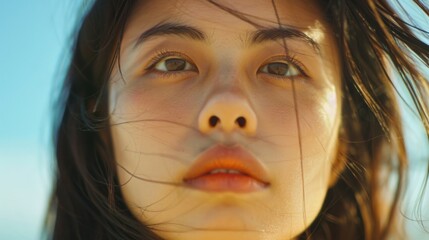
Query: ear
[(340, 160)]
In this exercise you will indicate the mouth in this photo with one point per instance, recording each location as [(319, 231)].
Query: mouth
[(226, 169)]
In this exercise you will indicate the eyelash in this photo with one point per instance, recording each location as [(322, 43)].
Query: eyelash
[(162, 54), (288, 60)]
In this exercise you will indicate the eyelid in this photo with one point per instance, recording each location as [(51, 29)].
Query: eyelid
[(289, 60), (163, 54)]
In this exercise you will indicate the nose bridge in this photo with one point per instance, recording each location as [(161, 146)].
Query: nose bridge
[(227, 111), (228, 73)]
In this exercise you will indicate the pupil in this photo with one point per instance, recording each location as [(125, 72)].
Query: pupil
[(175, 64), (278, 68)]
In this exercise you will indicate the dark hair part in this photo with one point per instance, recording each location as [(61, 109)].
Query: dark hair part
[(87, 202)]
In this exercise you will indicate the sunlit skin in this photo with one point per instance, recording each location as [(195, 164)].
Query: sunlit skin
[(160, 110)]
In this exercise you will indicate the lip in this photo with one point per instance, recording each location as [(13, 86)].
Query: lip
[(252, 176)]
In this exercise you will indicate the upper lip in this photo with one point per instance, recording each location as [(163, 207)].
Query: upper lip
[(233, 158)]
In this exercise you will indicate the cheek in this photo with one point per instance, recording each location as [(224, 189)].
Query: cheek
[(157, 124), (154, 119), (150, 121), (301, 158), (137, 102), (150, 129), (311, 123), (319, 117), (150, 124)]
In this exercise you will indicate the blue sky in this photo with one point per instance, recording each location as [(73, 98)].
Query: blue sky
[(33, 54), (32, 50)]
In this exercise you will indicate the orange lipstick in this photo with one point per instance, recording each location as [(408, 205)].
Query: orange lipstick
[(226, 169)]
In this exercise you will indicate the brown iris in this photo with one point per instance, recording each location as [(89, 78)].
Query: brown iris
[(175, 64), (278, 68)]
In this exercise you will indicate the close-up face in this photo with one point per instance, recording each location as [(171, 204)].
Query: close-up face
[(225, 117)]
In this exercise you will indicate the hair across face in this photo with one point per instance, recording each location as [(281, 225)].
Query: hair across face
[(183, 62)]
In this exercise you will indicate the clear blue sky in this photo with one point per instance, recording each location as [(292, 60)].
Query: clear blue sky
[(34, 36), (32, 48)]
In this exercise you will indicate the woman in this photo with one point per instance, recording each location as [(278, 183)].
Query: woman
[(235, 119)]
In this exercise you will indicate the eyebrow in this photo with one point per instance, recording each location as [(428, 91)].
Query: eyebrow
[(258, 36), (171, 29), (278, 33)]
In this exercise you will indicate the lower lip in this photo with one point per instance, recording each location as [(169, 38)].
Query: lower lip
[(226, 182)]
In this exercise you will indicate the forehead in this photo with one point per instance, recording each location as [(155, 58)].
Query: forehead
[(230, 17)]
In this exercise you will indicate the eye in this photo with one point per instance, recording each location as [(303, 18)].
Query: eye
[(173, 64), (282, 69)]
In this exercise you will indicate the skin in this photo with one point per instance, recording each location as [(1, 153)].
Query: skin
[(158, 119)]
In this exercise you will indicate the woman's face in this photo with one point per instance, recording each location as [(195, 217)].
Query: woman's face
[(219, 131)]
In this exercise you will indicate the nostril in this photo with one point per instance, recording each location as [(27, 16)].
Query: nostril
[(213, 121), (241, 121)]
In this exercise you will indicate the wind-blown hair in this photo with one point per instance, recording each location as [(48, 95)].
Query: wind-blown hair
[(373, 41)]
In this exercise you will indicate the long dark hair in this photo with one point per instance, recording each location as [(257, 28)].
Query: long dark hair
[(87, 202)]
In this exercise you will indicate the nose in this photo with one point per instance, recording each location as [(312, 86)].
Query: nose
[(228, 113)]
